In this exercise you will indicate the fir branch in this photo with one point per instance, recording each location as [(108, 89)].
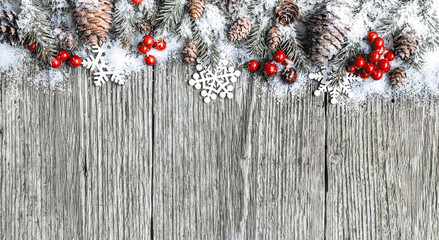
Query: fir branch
[(209, 53), (36, 28), (256, 41), (124, 22), (428, 44), (170, 14), (148, 8), (294, 50), (341, 61)]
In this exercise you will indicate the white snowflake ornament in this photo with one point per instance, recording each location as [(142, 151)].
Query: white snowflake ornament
[(215, 82), (100, 68), (329, 85)]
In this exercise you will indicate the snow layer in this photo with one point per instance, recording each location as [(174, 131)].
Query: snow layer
[(420, 84)]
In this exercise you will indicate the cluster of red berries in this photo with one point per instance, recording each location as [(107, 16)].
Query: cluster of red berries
[(63, 55), (145, 46), (270, 68), (378, 60), (137, 2)]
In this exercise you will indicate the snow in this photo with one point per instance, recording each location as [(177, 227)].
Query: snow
[(214, 24)]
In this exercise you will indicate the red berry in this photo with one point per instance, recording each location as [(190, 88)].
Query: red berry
[(142, 48), (150, 60), (360, 62), (384, 65), (389, 56), (279, 56), (371, 36), (253, 65), (270, 69), (75, 61), (377, 75), (160, 45), (378, 43), (351, 69), (369, 68), (137, 2), (363, 75), (382, 50), (63, 55), (148, 41), (31, 47), (374, 56), (56, 62)]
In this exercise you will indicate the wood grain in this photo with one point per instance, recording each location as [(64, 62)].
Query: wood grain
[(236, 169), (383, 171), (151, 160), (76, 163)]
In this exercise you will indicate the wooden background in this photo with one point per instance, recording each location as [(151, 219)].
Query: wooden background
[(151, 160)]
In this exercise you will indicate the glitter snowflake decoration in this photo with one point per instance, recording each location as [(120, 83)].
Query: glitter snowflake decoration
[(100, 68), (335, 89), (215, 82)]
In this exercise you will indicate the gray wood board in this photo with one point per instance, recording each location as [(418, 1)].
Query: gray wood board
[(151, 159)]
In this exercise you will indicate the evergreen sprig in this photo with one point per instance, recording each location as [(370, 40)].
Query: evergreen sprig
[(36, 28), (429, 43), (170, 14), (341, 61), (294, 50), (148, 10), (256, 42), (124, 22), (209, 52)]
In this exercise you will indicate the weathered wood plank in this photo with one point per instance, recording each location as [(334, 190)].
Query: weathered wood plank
[(245, 168), (76, 163), (383, 171), (41, 182), (118, 182)]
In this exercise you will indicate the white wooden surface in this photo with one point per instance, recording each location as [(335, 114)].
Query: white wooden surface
[(151, 160)]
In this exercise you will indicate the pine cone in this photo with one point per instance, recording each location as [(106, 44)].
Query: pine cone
[(94, 20), (405, 45), (231, 5), (145, 26), (240, 29), (9, 29), (397, 77), (287, 13), (289, 75), (64, 38), (274, 38), (196, 8), (190, 52), (328, 32)]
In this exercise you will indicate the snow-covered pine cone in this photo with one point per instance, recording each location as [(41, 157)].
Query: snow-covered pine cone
[(145, 26), (94, 20), (274, 38), (240, 29), (231, 5), (328, 30), (196, 8), (9, 29), (405, 44), (64, 38), (397, 77), (287, 12), (190, 52)]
